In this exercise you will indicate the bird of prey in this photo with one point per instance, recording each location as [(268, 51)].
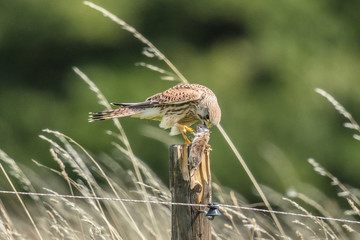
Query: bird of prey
[(177, 108), (198, 147)]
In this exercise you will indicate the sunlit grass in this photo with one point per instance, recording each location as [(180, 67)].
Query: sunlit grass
[(122, 174), (80, 173)]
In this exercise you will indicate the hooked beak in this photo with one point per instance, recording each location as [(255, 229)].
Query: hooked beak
[(208, 124)]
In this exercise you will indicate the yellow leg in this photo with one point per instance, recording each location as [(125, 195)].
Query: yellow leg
[(187, 141), (185, 128), (189, 129), (183, 131)]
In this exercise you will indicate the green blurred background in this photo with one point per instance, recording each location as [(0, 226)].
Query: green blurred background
[(263, 59)]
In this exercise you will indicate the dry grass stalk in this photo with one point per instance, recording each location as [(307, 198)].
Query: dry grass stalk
[(152, 51), (125, 141), (102, 221), (341, 109), (22, 203)]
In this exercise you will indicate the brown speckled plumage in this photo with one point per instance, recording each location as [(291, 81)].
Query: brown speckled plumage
[(182, 104)]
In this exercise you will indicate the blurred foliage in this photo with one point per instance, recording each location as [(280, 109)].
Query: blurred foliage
[(262, 59)]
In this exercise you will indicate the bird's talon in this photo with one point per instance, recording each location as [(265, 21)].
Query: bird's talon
[(183, 131), (187, 141), (189, 129)]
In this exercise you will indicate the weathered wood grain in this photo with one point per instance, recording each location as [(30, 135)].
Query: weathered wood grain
[(189, 222)]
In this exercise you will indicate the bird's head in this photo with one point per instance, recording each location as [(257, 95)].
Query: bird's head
[(211, 115)]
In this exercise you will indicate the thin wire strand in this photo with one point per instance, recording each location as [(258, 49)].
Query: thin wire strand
[(162, 57), (179, 204)]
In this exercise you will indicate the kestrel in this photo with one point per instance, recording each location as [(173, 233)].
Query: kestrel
[(177, 108)]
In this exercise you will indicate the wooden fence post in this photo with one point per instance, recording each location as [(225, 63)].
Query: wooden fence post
[(188, 222)]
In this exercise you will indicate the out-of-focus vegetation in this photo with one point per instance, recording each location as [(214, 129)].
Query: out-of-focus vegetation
[(99, 216), (262, 59)]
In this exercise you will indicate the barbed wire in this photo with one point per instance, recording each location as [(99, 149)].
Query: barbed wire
[(180, 204)]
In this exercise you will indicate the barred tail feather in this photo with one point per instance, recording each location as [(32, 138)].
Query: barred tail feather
[(108, 114)]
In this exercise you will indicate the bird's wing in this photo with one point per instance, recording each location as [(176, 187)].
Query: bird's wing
[(176, 95), (140, 104)]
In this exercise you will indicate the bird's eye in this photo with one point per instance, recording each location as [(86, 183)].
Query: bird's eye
[(207, 117)]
